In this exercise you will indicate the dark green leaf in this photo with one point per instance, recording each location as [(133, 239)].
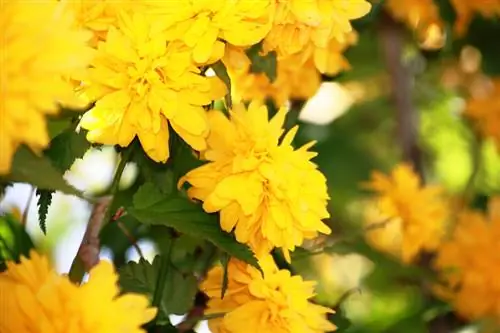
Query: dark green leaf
[(187, 217), (341, 321), (179, 293), (221, 71), (14, 241), (147, 195), (44, 201), (39, 172), (266, 64), (65, 148), (158, 174)]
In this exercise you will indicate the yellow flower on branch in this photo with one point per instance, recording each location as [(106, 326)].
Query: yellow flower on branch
[(204, 25), (274, 302), (421, 212), (40, 47), (298, 23), (141, 84), (269, 193), (34, 298), (468, 264)]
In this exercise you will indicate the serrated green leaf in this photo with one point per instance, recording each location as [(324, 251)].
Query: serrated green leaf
[(221, 72), (44, 202), (266, 64), (14, 241), (178, 296), (65, 148), (189, 218), (38, 171)]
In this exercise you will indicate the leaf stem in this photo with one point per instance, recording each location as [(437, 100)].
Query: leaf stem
[(162, 276)]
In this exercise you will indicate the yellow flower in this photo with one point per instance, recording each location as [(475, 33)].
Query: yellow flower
[(35, 299), (39, 47), (484, 110), (298, 23), (468, 263), (295, 79), (204, 25), (142, 85), (269, 193), (276, 302), (298, 75), (420, 210), (466, 9), (418, 14)]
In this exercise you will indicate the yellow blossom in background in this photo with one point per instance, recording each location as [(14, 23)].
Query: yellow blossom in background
[(99, 16), (468, 264), (484, 111), (275, 302), (466, 9), (418, 14), (298, 75), (269, 193), (35, 299), (298, 23), (292, 81), (401, 198), (39, 47), (204, 25), (142, 85)]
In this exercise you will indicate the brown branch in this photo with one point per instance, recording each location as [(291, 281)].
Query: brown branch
[(392, 39), (90, 246)]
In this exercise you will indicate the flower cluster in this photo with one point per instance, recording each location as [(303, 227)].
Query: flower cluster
[(298, 75), (418, 211), (273, 302), (148, 74), (40, 49), (34, 298), (468, 264)]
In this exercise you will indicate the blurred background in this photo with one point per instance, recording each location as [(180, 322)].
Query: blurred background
[(361, 123)]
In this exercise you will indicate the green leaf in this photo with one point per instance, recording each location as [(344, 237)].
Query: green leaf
[(179, 292), (39, 172), (65, 148), (44, 201), (147, 195), (14, 241), (221, 72), (341, 321), (189, 218), (266, 64)]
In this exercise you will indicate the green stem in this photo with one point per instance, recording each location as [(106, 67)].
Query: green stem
[(77, 270), (162, 279)]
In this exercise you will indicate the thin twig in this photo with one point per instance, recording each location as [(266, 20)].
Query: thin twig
[(131, 238), (24, 218)]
